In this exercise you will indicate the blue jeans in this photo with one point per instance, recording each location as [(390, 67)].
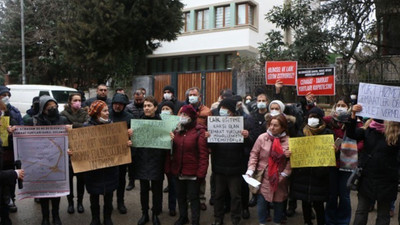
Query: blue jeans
[(263, 210), (338, 207)]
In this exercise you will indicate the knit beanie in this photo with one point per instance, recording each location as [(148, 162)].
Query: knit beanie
[(169, 88), (4, 89), (190, 111), (167, 103), (229, 104), (318, 111), (280, 103), (96, 107)]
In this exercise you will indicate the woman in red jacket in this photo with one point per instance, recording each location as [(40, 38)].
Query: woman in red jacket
[(188, 163)]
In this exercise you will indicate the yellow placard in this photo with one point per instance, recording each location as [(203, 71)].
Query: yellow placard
[(99, 146), (312, 151), (5, 122)]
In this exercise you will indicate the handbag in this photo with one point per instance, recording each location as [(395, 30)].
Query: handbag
[(353, 182), (258, 175)]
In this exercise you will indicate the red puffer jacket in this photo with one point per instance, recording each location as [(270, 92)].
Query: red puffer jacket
[(190, 153)]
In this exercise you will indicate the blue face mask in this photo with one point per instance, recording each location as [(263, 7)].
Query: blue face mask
[(223, 112), (193, 99)]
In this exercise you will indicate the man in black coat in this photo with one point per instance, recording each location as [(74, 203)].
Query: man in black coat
[(119, 114), (169, 95), (101, 94)]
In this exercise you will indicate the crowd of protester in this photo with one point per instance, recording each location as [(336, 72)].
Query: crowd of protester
[(269, 123)]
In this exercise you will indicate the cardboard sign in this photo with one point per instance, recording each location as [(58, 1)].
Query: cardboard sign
[(312, 151), (379, 101), (284, 71), (153, 133), (4, 123), (225, 129), (100, 146), (42, 151), (318, 81)]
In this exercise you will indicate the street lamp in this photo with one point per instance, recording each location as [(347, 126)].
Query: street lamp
[(23, 42)]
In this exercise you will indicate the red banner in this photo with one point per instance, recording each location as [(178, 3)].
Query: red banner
[(318, 81), (284, 71)]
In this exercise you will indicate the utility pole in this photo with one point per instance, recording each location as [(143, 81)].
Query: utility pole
[(23, 42)]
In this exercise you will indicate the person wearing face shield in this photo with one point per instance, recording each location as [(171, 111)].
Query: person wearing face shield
[(311, 184), (227, 166), (187, 164), (169, 95)]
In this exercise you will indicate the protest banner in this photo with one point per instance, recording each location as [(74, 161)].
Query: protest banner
[(100, 146), (312, 151), (225, 129), (284, 71), (171, 118), (42, 151), (153, 133), (4, 123), (379, 101), (318, 81)]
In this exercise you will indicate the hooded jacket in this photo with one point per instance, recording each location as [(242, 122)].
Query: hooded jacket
[(41, 119), (77, 119)]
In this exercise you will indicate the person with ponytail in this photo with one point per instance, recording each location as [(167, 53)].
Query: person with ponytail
[(379, 177), (271, 154)]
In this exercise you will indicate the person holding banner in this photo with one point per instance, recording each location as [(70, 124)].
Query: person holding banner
[(149, 169), (311, 184), (188, 164), (228, 166), (379, 163), (76, 116), (271, 154), (48, 115)]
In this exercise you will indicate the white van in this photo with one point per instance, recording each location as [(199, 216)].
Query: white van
[(22, 95)]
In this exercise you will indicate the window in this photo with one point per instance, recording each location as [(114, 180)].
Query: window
[(245, 14), (161, 65), (228, 61), (177, 64), (202, 19), (186, 21), (194, 63), (222, 16), (211, 62)]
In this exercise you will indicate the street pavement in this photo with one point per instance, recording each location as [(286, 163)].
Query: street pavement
[(29, 212)]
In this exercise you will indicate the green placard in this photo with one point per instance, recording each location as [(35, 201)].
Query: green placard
[(152, 133)]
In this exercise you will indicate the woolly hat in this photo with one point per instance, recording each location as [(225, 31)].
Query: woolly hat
[(169, 88), (228, 103), (318, 111), (4, 89), (280, 103), (167, 103), (96, 107), (190, 111), (120, 98)]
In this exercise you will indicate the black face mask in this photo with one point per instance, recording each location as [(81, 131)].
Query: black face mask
[(52, 113), (101, 98)]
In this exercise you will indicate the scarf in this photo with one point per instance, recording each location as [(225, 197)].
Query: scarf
[(276, 158), (380, 127), (309, 131)]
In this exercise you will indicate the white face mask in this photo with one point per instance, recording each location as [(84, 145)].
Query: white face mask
[(313, 122), (353, 97), (247, 101), (166, 112), (193, 99), (340, 110), (167, 96), (261, 105), (102, 120), (6, 100), (184, 120), (275, 112), (223, 112)]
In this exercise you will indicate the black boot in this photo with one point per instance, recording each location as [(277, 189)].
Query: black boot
[(131, 185), (144, 219), (70, 209), (107, 213), (45, 221), (56, 219), (121, 207), (79, 206), (44, 204), (182, 221), (95, 209), (253, 201), (155, 219)]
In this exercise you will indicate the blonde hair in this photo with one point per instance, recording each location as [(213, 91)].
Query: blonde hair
[(392, 132), (367, 123)]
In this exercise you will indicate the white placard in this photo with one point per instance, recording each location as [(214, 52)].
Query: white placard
[(225, 129), (379, 101), (43, 154)]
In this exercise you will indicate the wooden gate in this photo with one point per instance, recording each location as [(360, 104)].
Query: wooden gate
[(160, 81), (215, 81), (186, 81)]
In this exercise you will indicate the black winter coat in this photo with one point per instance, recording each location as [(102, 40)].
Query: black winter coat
[(230, 158), (379, 163), (101, 181), (311, 183), (149, 162), (7, 178)]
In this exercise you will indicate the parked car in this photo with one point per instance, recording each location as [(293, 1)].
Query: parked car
[(22, 95)]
